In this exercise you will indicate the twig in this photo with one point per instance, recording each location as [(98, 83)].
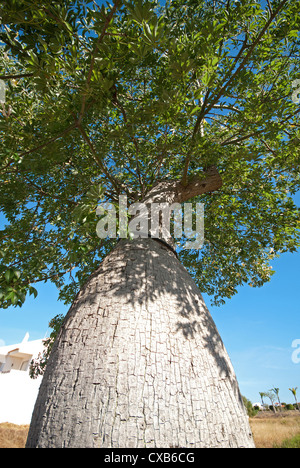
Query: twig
[(15, 77), (60, 21), (100, 38), (44, 193), (248, 55), (51, 140), (205, 110), (258, 132), (102, 166), (270, 7), (41, 146), (120, 106)]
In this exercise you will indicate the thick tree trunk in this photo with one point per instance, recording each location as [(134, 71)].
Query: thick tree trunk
[(139, 363)]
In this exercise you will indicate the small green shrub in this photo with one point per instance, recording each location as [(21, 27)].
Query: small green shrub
[(251, 411), (289, 407), (294, 442)]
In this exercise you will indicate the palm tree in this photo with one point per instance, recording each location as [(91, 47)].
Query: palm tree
[(262, 395), (294, 392)]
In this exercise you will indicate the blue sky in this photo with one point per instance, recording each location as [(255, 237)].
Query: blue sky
[(258, 326)]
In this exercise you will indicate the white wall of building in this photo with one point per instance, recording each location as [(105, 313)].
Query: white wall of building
[(18, 392)]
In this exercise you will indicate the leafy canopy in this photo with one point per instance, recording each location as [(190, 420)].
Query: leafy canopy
[(107, 100)]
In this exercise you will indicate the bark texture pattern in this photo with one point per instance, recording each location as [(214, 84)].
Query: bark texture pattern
[(139, 363)]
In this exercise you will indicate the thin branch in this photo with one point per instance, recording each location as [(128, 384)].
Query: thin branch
[(62, 273), (41, 146), (15, 77), (258, 132), (270, 7), (60, 21), (44, 193), (238, 140), (196, 128), (48, 277), (159, 163), (205, 110), (202, 112), (120, 106), (102, 166), (289, 116), (269, 148), (246, 58), (235, 109), (51, 140), (100, 39)]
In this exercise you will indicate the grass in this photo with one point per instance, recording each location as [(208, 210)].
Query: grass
[(13, 436), (269, 431), (276, 431), (294, 442)]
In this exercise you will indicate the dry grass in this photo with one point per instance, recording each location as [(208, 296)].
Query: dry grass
[(271, 430), (13, 436), (268, 430)]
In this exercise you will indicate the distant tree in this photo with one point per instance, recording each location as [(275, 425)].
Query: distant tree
[(276, 391), (251, 411), (294, 392), (262, 395), (271, 395), (290, 407)]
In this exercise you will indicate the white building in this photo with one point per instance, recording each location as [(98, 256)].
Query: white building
[(259, 405), (18, 392)]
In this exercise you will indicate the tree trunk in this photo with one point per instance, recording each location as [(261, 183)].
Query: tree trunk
[(139, 363)]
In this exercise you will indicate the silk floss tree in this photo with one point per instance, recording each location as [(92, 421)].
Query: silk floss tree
[(189, 102)]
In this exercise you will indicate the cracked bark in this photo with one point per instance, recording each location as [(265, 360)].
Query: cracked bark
[(139, 363)]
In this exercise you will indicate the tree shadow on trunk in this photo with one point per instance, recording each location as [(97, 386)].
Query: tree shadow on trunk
[(139, 362)]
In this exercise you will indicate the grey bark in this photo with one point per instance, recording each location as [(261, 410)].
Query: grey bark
[(139, 363)]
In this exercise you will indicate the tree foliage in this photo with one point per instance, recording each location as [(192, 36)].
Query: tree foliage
[(38, 365), (107, 100), (251, 411)]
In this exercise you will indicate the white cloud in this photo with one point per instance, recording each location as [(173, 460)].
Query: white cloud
[(2, 342)]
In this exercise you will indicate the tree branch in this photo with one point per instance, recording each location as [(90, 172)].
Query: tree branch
[(205, 110), (42, 145), (100, 38), (15, 77), (102, 166), (173, 191), (41, 191), (60, 21), (120, 106), (248, 55), (210, 182), (258, 132), (51, 140), (197, 126)]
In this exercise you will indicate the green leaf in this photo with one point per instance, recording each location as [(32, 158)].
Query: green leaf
[(33, 291), (17, 273), (9, 274)]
